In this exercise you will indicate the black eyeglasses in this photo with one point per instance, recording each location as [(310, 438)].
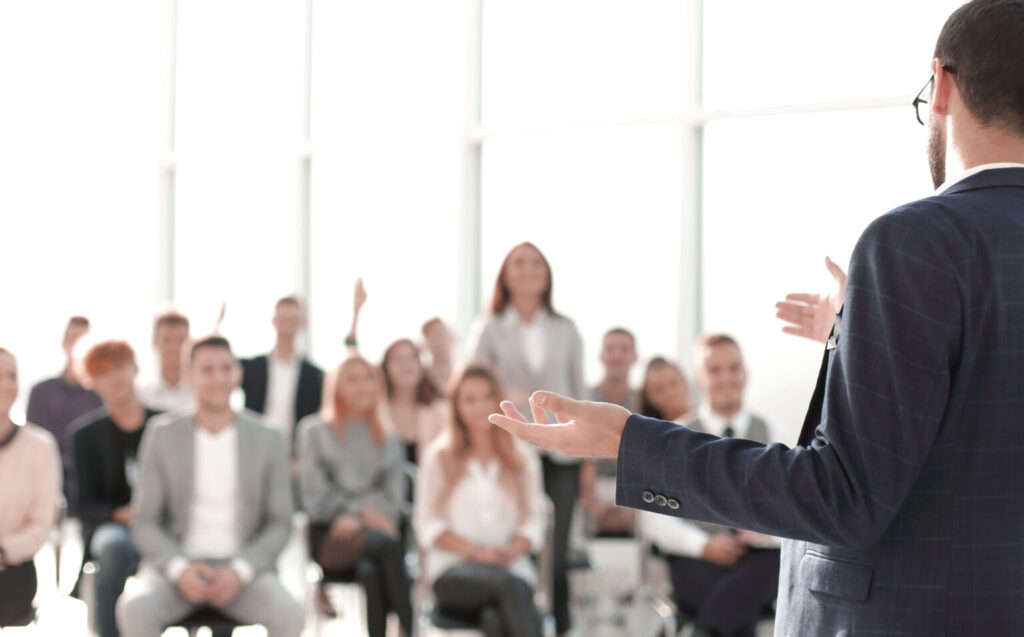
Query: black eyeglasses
[(928, 88)]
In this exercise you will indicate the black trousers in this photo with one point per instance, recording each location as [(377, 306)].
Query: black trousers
[(381, 572), (502, 602), (728, 601), (17, 589), (562, 484)]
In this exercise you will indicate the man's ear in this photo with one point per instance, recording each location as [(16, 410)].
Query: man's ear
[(944, 87)]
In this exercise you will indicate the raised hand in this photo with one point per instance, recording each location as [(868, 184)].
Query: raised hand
[(812, 315), (359, 298), (584, 429)]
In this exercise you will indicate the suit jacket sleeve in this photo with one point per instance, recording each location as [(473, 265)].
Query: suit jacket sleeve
[(151, 502), (93, 507), (263, 548), (321, 499), (885, 395)]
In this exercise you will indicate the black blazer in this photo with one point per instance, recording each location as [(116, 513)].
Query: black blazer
[(97, 467), (307, 395)]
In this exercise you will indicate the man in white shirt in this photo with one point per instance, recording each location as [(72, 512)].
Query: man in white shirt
[(722, 578), (283, 385), (168, 391), (209, 525)]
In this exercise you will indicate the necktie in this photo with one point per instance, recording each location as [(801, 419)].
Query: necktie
[(728, 432)]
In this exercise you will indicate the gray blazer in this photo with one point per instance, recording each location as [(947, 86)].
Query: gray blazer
[(498, 344), (162, 501)]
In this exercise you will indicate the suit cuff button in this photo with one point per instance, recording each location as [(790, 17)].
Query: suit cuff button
[(673, 504), (647, 497), (660, 500)]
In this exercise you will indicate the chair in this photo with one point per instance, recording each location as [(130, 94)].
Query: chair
[(436, 618), (208, 617)]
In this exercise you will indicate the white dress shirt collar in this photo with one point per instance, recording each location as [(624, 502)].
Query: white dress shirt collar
[(715, 424), (973, 171)]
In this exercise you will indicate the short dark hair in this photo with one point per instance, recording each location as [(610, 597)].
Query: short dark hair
[(170, 318), (620, 330), (983, 43), (291, 299), (712, 339), (77, 321), (209, 341)]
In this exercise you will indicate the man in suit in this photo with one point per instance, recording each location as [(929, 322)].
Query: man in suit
[(901, 500), (105, 446), (283, 385), (209, 525), (722, 578)]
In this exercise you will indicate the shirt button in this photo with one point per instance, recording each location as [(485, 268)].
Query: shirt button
[(647, 497), (660, 500), (673, 504)]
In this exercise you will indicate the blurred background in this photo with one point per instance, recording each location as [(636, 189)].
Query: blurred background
[(683, 165)]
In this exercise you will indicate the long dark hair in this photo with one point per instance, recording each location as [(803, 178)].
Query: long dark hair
[(645, 406), (455, 453), (426, 392), (502, 295)]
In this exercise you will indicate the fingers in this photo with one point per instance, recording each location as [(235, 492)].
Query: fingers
[(563, 408), (836, 271), (511, 411), (539, 415), (809, 299), (550, 437)]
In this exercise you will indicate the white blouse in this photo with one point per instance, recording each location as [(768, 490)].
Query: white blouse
[(479, 509)]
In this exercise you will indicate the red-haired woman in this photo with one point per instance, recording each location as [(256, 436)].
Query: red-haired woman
[(353, 488), (532, 347), (479, 514), (411, 408)]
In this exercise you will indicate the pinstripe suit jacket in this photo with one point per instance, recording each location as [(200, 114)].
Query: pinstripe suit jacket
[(904, 498)]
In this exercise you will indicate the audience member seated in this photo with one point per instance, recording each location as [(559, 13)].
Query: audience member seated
[(283, 385), (438, 341), (665, 393), (353, 489), (53, 404), (722, 578), (105, 445), (168, 391), (211, 512), (411, 408), (597, 477), (479, 514), (30, 474)]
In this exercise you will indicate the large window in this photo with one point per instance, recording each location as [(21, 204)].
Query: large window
[(578, 158), (837, 146), (387, 126), (238, 138), (80, 139)]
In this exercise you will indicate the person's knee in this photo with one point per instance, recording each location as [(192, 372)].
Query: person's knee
[(117, 555), (289, 618), (134, 615)]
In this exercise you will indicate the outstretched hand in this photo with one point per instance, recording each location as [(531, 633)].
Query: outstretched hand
[(812, 315), (583, 429)]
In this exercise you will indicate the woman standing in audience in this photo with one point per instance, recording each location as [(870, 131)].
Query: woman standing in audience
[(353, 490), (479, 514), (30, 477), (665, 393), (530, 346), (411, 407)]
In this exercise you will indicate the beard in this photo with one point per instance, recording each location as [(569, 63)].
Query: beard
[(937, 152)]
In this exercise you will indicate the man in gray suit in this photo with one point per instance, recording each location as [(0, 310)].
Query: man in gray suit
[(212, 511)]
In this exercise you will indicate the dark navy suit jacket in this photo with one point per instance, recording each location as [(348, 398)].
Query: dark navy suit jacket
[(904, 498)]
